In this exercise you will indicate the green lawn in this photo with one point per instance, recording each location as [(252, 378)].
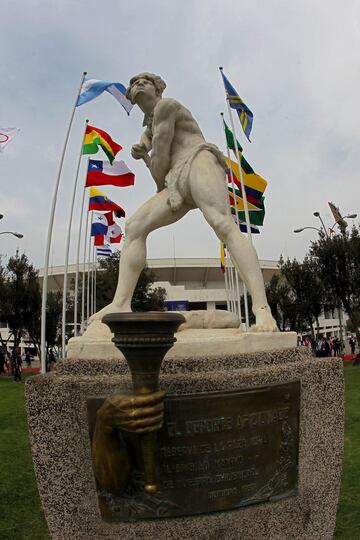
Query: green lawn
[(21, 517), (348, 516)]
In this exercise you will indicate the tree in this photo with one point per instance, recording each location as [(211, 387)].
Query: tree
[(282, 302), (146, 297), (337, 259), (2, 292), (296, 296), (20, 299), (307, 291), (53, 318)]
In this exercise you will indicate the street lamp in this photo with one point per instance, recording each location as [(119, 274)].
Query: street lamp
[(1, 216), (303, 229), (349, 216), (323, 230), (18, 235), (317, 214)]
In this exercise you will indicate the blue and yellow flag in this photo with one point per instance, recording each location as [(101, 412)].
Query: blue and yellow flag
[(235, 102)]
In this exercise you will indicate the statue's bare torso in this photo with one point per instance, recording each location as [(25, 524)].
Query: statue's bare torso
[(171, 134), (187, 133)]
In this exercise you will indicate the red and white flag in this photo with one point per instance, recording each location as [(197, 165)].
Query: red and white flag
[(6, 135), (114, 232)]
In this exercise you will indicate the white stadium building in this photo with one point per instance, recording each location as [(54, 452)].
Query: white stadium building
[(190, 283)]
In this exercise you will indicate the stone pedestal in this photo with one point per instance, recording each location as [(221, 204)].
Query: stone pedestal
[(190, 343), (57, 413)]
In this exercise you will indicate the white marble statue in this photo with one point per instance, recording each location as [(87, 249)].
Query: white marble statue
[(189, 173)]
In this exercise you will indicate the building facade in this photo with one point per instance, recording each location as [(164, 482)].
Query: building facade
[(190, 283)]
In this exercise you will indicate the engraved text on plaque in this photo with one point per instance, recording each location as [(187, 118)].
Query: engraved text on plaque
[(217, 451)]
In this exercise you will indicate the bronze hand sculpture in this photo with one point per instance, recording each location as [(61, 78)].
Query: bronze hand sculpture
[(134, 414)]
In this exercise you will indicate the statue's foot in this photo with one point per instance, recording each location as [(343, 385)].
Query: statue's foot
[(96, 329), (110, 308), (265, 322)]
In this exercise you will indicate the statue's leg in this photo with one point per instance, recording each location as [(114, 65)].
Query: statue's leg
[(152, 215), (209, 192)]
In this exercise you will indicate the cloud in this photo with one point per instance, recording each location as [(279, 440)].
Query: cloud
[(293, 63)]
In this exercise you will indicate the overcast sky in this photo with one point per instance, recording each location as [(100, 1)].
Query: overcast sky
[(296, 64)]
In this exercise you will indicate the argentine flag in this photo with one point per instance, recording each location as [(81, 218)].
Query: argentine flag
[(92, 88)]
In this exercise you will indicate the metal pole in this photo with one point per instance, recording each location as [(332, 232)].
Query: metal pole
[(236, 216), (227, 287), (76, 292), (246, 306), (83, 277), (95, 277), (225, 276), (232, 288), (317, 214), (88, 275), (49, 237), (246, 208), (341, 329), (92, 279), (67, 250)]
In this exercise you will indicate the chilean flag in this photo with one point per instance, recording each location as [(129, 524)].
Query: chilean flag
[(101, 173)]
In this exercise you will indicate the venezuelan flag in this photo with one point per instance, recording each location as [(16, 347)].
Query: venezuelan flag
[(95, 137), (99, 201), (235, 102)]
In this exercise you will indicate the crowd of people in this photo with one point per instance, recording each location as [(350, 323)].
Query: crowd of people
[(11, 363), (327, 346)]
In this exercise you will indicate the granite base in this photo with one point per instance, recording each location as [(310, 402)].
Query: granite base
[(57, 415)]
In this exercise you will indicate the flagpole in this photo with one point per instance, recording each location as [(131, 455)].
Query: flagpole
[(246, 208), (49, 237), (226, 286), (223, 256), (63, 347), (236, 213), (92, 280), (246, 306), (77, 264), (88, 275), (232, 286), (83, 277), (95, 271)]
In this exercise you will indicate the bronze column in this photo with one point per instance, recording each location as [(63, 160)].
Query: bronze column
[(144, 339)]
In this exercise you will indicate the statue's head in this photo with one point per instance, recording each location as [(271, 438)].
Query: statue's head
[(156, 81)]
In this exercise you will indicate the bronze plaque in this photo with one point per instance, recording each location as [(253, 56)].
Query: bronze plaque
[(217, 451)]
